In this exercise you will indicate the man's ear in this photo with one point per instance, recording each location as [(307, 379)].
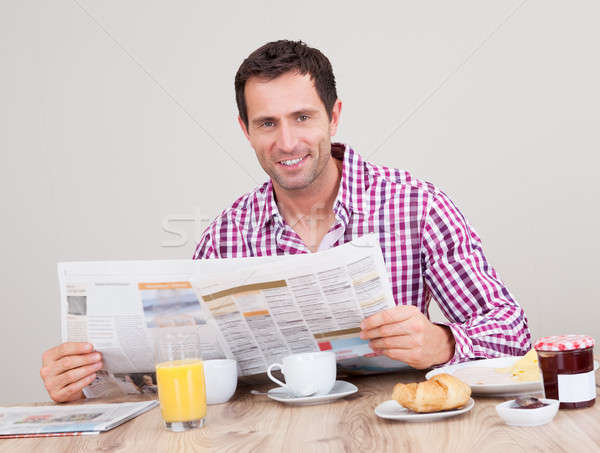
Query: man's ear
[(243, 126), (335, 117)]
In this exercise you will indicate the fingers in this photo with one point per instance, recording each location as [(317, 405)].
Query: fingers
[(65, 349), (397, 342), (72, 391), (387, 330), (68, 368), (426, 344), (73, 361), (398, 333), (405, 334), (63, 385), (60, 366), (411, 325), (389, 316), (73, 375)]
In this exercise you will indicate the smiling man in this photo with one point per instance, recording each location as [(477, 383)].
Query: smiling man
[(322, 194)]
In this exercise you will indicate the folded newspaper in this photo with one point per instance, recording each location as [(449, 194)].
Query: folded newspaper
[(254, 310), (73, 420)]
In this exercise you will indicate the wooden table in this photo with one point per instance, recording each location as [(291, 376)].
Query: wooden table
[(256, 423)]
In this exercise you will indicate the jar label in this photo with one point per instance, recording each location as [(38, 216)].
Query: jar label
[(575, 388)]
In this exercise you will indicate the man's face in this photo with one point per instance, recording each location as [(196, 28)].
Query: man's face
[(289, 129)]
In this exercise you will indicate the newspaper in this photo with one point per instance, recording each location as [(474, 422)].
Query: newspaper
[(255, 310), (86, 418)]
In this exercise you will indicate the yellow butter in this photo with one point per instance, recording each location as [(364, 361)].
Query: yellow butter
[(525, 369)]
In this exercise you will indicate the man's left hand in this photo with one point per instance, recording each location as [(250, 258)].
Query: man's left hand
[(404, 333)]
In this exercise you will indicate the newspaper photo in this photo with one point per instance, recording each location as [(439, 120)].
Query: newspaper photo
[(254, 310)]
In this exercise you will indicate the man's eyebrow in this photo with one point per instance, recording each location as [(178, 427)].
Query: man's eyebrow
[(308, 111)]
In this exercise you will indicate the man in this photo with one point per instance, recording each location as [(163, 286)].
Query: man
[(321, 195)]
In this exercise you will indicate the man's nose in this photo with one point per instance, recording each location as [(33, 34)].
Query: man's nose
[(286, 138)]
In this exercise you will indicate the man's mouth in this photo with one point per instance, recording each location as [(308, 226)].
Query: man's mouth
[(292, 162)]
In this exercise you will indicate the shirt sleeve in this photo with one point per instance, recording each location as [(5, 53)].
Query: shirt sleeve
[(205, 248), (484, 318)]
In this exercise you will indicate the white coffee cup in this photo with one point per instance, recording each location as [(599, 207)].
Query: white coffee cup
[(307, 373), (220, 376)]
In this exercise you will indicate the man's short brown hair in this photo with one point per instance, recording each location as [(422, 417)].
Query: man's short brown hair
[(279, 57)]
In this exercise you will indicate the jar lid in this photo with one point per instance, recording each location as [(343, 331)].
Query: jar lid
[(564, 343)]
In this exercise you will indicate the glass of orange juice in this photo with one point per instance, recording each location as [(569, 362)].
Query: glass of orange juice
[(180, 379)]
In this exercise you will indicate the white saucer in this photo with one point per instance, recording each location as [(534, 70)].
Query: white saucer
[(392, 410), (339, 390)]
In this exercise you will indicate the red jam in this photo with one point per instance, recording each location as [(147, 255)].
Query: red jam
[(568, 373), (534, 405)]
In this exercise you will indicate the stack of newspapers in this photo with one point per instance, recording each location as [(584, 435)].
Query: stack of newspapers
[(42, 421)]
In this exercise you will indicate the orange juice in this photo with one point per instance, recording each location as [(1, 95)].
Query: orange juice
[(181, 390)]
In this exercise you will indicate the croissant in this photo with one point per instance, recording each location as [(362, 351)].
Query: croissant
[(440, 393)]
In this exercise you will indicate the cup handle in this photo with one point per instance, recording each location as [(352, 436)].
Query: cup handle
[(274, 379)]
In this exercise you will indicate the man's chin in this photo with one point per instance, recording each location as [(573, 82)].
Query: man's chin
[(294, 187), (292, 184)]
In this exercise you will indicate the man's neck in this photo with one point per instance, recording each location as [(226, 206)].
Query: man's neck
[(313, 203)]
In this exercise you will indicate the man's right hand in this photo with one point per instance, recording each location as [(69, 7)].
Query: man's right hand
[(68, 368)]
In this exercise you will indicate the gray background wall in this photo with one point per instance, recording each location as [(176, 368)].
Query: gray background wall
[(116, 117)]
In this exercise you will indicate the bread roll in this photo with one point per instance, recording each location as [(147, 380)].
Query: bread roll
[(441, 392)]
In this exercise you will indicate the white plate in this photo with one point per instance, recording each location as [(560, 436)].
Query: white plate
[(515, 388), (392, 410), (339, 390), (510, 389)]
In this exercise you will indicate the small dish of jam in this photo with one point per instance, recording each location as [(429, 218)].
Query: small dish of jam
[(528, 402), (527, 411)]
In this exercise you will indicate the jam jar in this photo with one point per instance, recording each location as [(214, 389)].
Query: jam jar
[(567, 365)]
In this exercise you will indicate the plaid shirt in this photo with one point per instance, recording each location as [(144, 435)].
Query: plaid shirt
[(429, 248)]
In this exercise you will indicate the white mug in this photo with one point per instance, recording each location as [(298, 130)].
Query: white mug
[(307, 373), (221, 380)]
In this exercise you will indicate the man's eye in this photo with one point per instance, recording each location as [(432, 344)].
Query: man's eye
[(302, 118), (268, 124)]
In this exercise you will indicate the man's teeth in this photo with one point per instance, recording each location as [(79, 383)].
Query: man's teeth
[(291, 162)]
